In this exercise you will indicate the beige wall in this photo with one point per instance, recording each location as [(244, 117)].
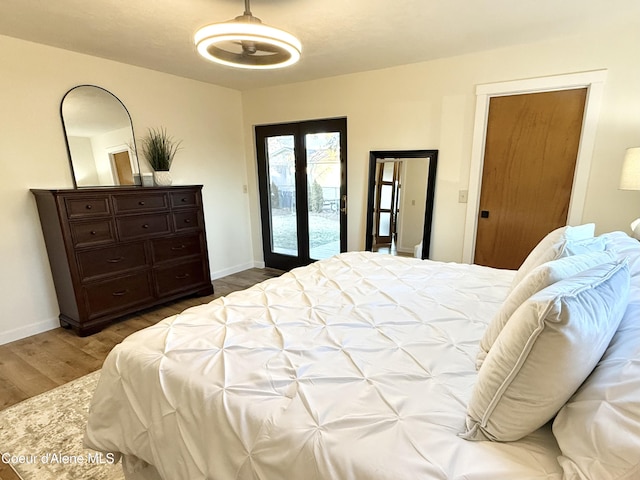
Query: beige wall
[(33, 155), (431, 106)]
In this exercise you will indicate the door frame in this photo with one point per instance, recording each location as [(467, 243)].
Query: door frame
[(593, 81)]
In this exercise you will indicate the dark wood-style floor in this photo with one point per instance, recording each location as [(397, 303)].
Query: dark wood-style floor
[(36, 364)]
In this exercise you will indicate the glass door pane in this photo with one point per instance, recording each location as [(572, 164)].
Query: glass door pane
[(387, 172), (282, 194), (323, 191), (386, 198), (384, 229)]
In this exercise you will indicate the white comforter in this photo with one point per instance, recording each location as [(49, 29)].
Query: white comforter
[(355, 367)]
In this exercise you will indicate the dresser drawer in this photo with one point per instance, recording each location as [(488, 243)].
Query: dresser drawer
[(187, 220), (140, 202), (87, 206), (92, 233), (141, 226), (111, 260), (118, 294), (188, 198), (180, 277), (166, 249)]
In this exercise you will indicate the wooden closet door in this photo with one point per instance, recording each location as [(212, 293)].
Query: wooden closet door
[(122, 163), (530, 156)]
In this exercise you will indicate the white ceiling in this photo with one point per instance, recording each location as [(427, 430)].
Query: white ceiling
[(338, 36)]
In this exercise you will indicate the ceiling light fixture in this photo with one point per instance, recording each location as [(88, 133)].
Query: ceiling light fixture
[(245, 42)]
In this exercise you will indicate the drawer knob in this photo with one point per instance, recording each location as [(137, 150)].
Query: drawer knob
[(115, 260), (89, 207), (93, 232), (182, 277), (181, 247), (140, 202), (146, 225), (120, 293), (187, 220), (183, 200)]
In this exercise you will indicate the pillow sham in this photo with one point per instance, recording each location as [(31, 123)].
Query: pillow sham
[(540, 277), (598, 429), (545, 351), (550, 247)]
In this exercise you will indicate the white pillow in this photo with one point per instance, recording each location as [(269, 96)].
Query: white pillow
[(545, 351), (550, 247), (588, 245), (540, 277), (623, 246), (598, 429)]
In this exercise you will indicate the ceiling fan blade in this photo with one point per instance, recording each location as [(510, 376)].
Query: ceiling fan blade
[(251, 48), (267, 47)]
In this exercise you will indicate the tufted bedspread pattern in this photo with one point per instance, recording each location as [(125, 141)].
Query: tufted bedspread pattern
[(355, 367)]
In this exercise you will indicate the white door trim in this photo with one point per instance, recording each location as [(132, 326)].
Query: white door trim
[(593, 81)]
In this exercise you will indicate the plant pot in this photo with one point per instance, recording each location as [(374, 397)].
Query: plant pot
[(162, 178)]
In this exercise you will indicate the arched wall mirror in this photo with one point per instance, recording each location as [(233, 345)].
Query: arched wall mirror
[(100, 139), (400, 202)]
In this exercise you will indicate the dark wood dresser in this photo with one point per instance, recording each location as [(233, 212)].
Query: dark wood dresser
[(116, 250)]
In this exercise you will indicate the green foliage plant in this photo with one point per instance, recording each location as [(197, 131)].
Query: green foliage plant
[(275, 196), (316, 198), (159, 149)]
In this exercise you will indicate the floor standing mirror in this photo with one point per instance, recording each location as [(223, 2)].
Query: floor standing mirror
[(400, 201)]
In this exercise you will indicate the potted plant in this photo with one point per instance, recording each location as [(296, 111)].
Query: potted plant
[(159, 149)]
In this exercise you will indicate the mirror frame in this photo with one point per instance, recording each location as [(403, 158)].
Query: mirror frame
[(432, 155), (66, 137)]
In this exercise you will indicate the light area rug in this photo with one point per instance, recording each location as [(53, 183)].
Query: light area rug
[(41, 438)]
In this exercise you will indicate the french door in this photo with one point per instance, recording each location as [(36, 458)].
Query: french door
[(302, 175)]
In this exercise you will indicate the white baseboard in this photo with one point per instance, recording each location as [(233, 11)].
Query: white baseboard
[(28, 330), (235, 269)]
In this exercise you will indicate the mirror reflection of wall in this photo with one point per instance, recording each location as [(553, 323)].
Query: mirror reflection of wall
[(99, 137), (412, 203), (400, 206)]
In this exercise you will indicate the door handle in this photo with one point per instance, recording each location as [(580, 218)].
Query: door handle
[(343, 208), (484, 213)]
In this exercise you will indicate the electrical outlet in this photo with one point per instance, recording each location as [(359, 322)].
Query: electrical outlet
[(462, 196)]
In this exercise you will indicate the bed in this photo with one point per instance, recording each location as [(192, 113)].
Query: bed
[(366, 366)]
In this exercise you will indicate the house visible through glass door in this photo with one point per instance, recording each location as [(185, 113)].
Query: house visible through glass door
[(302, 180)]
